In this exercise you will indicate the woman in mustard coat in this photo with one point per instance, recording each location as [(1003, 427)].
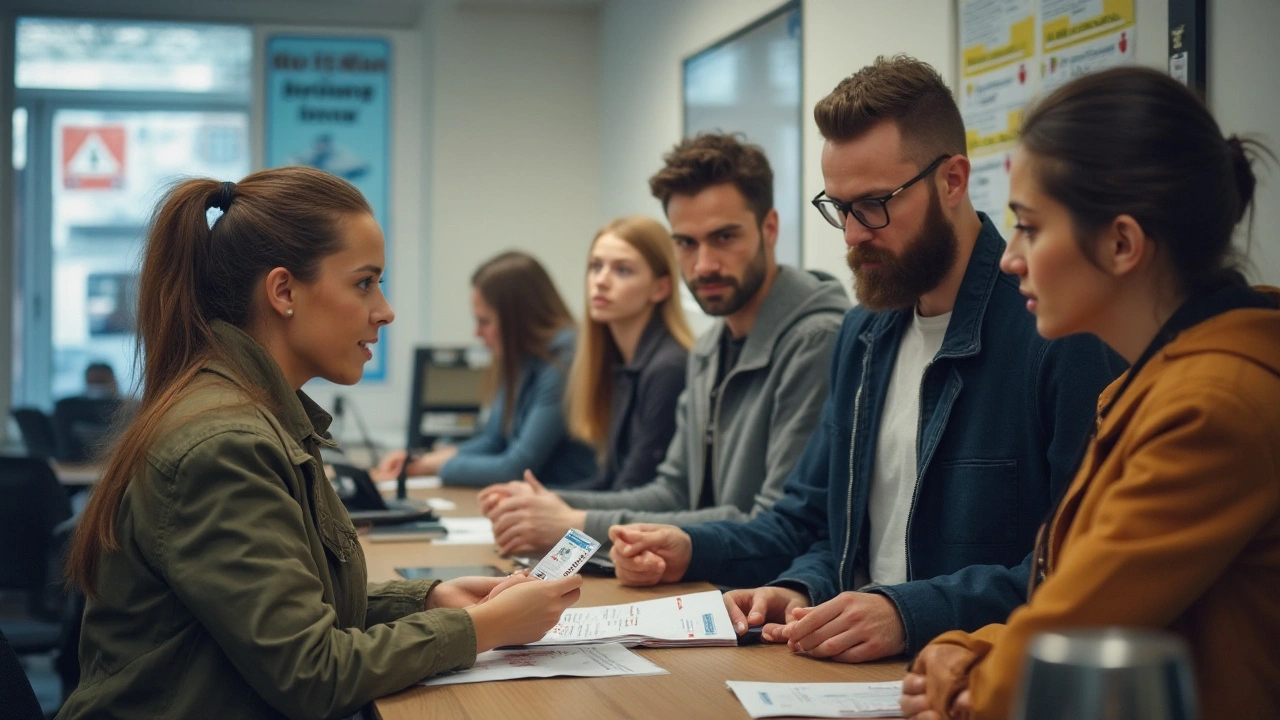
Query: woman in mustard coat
[(1127, 196)]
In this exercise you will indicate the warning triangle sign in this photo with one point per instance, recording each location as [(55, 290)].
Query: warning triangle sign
[(94, 158)]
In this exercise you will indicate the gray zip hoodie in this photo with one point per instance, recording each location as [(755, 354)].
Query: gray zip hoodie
[(768, 406)]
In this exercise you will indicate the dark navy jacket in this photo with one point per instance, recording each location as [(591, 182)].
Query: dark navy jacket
[(642, 412), (1003, 414)]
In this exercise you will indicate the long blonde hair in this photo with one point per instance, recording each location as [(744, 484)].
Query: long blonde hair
[(590, 391)]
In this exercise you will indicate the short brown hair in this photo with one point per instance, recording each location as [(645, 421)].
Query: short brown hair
[(898, 88), (708, 159)]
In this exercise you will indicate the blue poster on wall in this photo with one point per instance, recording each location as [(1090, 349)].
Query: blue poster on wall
[(329, 106)]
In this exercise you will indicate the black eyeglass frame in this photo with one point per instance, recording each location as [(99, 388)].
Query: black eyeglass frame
[(845, 209)]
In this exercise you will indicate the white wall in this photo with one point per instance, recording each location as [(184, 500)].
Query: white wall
[(515, 151), (1245, 97)]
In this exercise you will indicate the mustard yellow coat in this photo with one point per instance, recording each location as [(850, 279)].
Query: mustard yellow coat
[(1172, 522)]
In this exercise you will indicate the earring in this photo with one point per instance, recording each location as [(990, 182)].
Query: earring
[(288, 312)]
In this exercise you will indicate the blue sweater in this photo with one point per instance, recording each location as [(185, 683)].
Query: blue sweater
[(538, 441), (1003, 414)]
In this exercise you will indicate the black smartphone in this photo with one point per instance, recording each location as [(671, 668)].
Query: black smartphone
[(751, 636), (450, 572)]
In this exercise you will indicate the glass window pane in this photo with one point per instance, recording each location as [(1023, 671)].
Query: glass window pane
[(111, 168), (75, 54)]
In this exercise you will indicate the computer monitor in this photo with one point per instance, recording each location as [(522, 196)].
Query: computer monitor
[(446, 398)]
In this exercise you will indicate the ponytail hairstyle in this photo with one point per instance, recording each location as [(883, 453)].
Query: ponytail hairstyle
[(193, 274), (590, 391), (1133, 141), (530, 312)]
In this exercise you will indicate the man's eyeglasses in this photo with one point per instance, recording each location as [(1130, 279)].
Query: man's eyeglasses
[(872, 212)]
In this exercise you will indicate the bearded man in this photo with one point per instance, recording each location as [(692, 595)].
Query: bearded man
[(951, 426)]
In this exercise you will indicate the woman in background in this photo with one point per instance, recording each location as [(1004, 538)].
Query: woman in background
[(629, 369), (525, 325), (1127, 195), (628, 373), (223, 576)]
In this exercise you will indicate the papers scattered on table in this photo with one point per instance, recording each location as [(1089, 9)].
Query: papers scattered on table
[(417, 482), (679, 620), (580, 661), (466, 531), (822, 700), (441, 504)]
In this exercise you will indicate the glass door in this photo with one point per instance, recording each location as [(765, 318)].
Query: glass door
[(108, 170), (115, 112)]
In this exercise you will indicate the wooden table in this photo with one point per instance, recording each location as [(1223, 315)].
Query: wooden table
[(695, 687)]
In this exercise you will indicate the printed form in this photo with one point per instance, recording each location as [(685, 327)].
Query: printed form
[(819, 700), (607, 660), (680, 620)]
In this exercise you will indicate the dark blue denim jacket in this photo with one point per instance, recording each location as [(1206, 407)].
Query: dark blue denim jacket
[(1003, 414)]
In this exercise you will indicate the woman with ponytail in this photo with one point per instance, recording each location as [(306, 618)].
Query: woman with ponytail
[(223, 576), (1127, 196)]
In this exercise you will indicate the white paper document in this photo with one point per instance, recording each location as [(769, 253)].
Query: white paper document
[(819, 700), (606, 660), (413, 482), (466, 531), (679, 620)]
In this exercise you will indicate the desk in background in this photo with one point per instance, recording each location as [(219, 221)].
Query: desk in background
[(77, 474), (695, 687)]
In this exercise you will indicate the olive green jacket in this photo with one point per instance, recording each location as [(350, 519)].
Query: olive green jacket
[(239, 589)]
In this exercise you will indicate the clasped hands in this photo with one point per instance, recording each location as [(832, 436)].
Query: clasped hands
[(851, 627), (526, 516)]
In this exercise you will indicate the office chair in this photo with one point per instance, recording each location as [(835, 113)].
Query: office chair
[(16, 696), (32, 505), (38, 433), (84, 425)]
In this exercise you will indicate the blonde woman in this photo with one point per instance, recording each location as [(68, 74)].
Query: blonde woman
[(628, 371)]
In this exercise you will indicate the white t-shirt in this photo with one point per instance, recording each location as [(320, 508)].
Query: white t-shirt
[(893, 482)]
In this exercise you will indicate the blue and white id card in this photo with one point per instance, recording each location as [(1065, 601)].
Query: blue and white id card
[(567, 557)]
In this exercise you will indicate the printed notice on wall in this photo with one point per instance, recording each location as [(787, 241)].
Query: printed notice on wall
[(329, 106), (1012, 51), (1084, 36), (998, 77)]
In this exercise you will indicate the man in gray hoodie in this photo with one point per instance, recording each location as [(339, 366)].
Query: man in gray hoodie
[(755, 381)]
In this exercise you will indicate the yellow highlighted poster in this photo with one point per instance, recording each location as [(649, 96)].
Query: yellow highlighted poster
[(1082, 58), (995, 33), (1068, 22), (999, 73)]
